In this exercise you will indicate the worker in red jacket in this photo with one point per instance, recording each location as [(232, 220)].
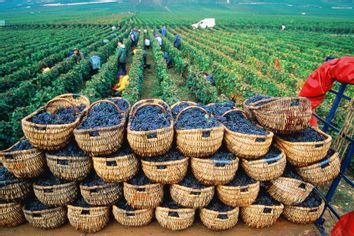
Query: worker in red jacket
[(322, 79)]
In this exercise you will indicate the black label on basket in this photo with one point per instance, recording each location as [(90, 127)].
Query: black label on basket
[(267, 210), (152, 135), (223, 216), (195, 193), (244, 189), (161, 167), (37, 215), (48, 190), (260, 140), (85, 212), (295, 103), (206, 134), (111, 163), (173, 213), (94, 133), (130, 214), (8, 156), (302, 185), (63, 162)]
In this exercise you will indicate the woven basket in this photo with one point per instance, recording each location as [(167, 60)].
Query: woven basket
[(177, 103), (284, 115), (23, 163), (305, 153), (15, 191), (289, 191), (133, 218), (175, 219), (190, 197), (265, 169), (322, 172), (69, 168), (46, 219), (116, 168), (303, 215), (11, 214), (76, 99), (248, 146), (260, 216), (215, 220), (88, 220), (154, 142), (144, 196), (214, 172), (102, 195), (103, 140), (199, 142), (49, 137), (238, 196), (168, 172), (56, 195)]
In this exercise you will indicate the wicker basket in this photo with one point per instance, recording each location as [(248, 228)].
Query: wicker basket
[(69, 168), (322, 172), (11, 214), (260, 216), (168, 172), (199, 142), (144, 196), (265, 169), (238, 196), (215, 220), (103, 140), (289, 191), (175, 219), (46, 219), (133, 218), (56, 195), (178, 103), (214, 172), (23, 163), (101, 195), (76, 99), (153, 142), (116, 168), (248, 146), (88, 220), (190, 197), (305, 153), (15, 191), (303, 215), (49, 137), (284, 115)]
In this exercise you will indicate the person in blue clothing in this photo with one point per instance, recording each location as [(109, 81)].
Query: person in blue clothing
[(209, 78), (168, 60), (134, 37), (177, 41), (164, 31)]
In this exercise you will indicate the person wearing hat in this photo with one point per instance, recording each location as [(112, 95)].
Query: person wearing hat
[(75, 55)]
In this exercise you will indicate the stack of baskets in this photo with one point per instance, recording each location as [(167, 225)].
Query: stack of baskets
[(169, 173)]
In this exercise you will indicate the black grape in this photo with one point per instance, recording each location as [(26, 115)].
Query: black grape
[(6, 177), (140, 179), (195, 118), (241, 179), (191, 182), (80, 202), (313, 200), (122, 204), (150, 118), (61, 116), (22, 145), (172, 155), (217, 205), (290, 172), (33, 204), (264, 198), (48, 179), (257, 98), (93, 180), (121, 103), (70, 150), (218, 109), (307, 135)]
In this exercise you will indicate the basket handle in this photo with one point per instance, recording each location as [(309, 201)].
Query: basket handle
[(254, 105), (111, 163), (260, 139), (195, 193), (85, 212), (267, 210), (141, 189), (48, 190), (188, 108), (234, 110), (53, 101), (93, 190), (147, 104), (324, 164), (173, 214), (318, 145), (313, 210), (8, 156), (63, 162), (273, 159), (244, 189), (302, 186), (223, 216), (130, 213), (104, 101), (221, 163), (36, 215), (161, 167)]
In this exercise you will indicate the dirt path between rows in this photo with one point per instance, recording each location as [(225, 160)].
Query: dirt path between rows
[(151, 85)]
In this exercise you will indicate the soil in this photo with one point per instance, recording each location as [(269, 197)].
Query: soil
[(184, 93), (151, 85)]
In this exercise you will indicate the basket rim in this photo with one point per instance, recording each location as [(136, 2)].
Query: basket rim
[(328, 139), (107, 185), (263, 160), (71, 95), (210, 161), (200, 129), (137, 211), (70, 206), (99, 129), (238, 187), (305, 208), (56, 157), (182, 209), (248, 106), (190, 103), (297, 181), (50, 210), (27, 151), (150, 162), (57, 186), (273, 99), (184, 188), (153, 185), (136, 132), (104, 159), (9, 204), (206, 210), (269, 134), (253, 205), (331, 159)]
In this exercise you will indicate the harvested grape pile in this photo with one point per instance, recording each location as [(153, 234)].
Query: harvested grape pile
[(237, 122), (217, 205), (223, 155), (22, 145), (257, 98), (241, 179), (122, 204), (313, 200), (101, 115), (48, 179), (93, 180), (121, 103), (80, 202), (140, 179), (172, 155), (178, 108), (264, 198), (307, 135), (120, 153), (195, 118), (290, 172), (6, 177), (150, 118), (70, 150), (272, 153), (34, 204), (218, 109), (61, 116), (191, 182), (169, 203)]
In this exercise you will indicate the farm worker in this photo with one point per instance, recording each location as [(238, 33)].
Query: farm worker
[(95, 62), (209, 78), (45, 70), (177, 41), (134, 38), (122, 84), (158, 39), (322, 79), (164, 31), (122, 57), (76, 55), (147, 43), (282, 27), (113, 28), (145, 59), (168, 60), (344, 226)]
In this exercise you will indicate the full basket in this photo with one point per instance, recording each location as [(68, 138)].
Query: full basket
[(215, 220), (168, 172), (56, 195), (69, 168), (144, 196), (116, 168), (199, 142), (46, 219), (321, 172), (153, 142), (101, 195), (248, 146), (238, 196), (214, 172), (11, 214), (88, 220), (175, 219), (289, 191), (23, 163), (133, 218), (103, 140), (15, 191), (265, 169), (305, 153), (260, 216), (49, 137), (190, 197), (284, 115), (303, 215)]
